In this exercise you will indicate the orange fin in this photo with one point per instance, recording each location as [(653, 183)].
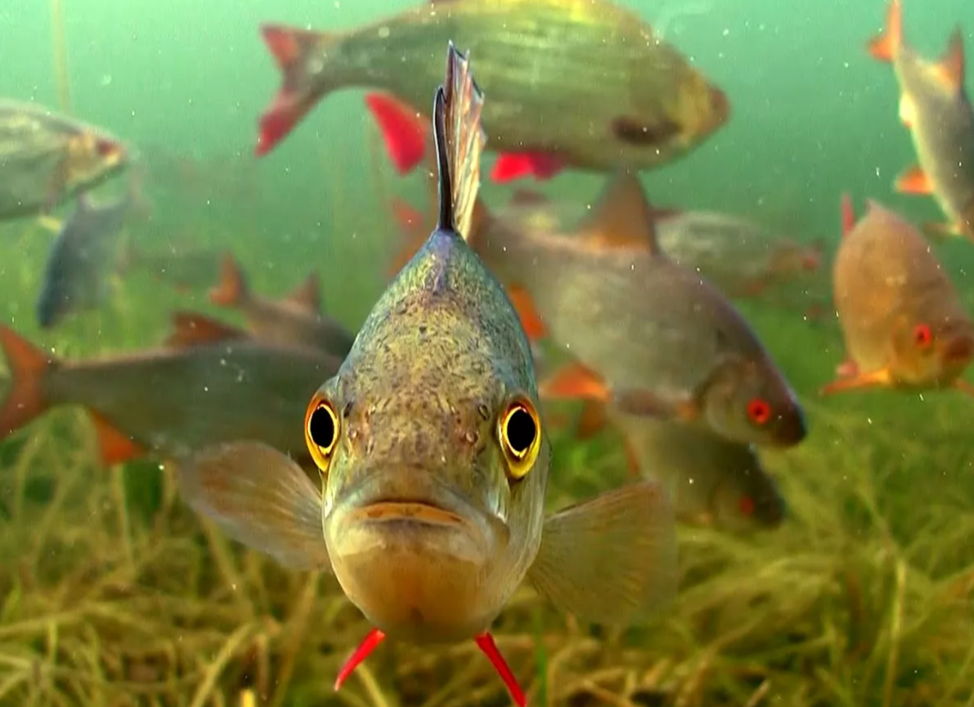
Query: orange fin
[(847, 369), (574, 382), (914, 181), (231, 290), (592, 420), (873, 379), (25, 397), (116, 446), (403, 130), (622, 217), (511, 166), (950, 68), (195, 329), (531, 321), (848, 214), (885, 46), (632, 459), (307, 295), (292, 49)]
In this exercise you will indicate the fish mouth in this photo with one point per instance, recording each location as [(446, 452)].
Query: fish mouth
[(791, 429), (720, 106), (398, 510)]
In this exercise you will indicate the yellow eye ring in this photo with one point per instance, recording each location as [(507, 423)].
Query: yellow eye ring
[(321, 429), (519, 434)]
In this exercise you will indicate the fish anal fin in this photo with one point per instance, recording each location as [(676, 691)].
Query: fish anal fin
[(574, 381), (531, 321), (612, 559), (259, 497), (403, 130), (848, 214), (307, 295), (914, 181), (115, 446), (231, 290), (511, 166), (871, 379), (193, 329), (622, 217), (950, 68)]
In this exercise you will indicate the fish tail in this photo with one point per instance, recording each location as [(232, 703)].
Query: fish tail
[(231, 290), (28, 365), (886, 45), (460, 140), (293, 49)]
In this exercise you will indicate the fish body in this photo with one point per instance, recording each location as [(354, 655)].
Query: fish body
[(935, 107), (74, 277), (573, 83), (640, 326), (710, 481), (902, 320), (295, 320), (45, 158), (171, 400), (434, 458), (184, 268)]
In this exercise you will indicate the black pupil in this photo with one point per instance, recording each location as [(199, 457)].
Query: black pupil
[(322, 427), (520, 431)]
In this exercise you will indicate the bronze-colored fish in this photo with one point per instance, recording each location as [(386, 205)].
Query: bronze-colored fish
[(574, 83), (935, 108), (902, 320), (646, 335), (434, 457), (45, 158), (295, 320), (710, 481), (211, 384)]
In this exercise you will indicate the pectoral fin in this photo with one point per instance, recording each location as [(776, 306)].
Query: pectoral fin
[(259, 497), (871, 379), (612, 559)]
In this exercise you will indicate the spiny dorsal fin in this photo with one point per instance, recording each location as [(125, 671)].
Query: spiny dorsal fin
[(307, 295), (195, 329), (951, 64), (622, 217), (460, 139)]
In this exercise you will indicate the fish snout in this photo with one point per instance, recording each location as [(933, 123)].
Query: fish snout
[(719, 107), (791, 427)]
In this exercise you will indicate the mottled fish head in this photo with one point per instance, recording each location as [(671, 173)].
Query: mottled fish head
[(933, 345), (749, 401), (92, 157), (748, 500), (432, 451)]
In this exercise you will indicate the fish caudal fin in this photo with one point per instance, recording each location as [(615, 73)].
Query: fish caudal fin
[(259, 497), (613, 559), (231, 290), (293, 49), (886, 46), (28, 366), (403, 130), (459, 140)]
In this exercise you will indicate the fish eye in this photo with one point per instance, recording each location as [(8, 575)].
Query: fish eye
[(321, 428), (922, 336), (519, 433), (759, 411)]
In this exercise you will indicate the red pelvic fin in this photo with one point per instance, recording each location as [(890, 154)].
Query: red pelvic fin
[(486, 643), (368, 644)]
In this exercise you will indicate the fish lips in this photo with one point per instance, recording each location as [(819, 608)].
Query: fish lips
[(413, 512), (790, 428)]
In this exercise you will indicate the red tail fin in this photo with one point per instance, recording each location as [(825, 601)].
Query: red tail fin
[(231, 291), (293, 50), (28, 365)]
